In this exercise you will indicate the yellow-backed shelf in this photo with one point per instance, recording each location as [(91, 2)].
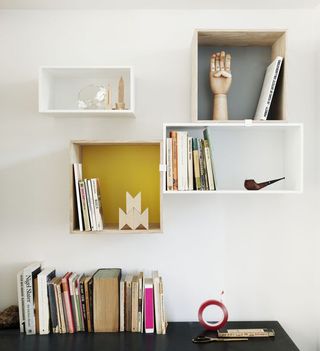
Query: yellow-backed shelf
[(122, 167)]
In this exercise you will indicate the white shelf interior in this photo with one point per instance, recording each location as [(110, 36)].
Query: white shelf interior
[(261, 151), (59, 88)]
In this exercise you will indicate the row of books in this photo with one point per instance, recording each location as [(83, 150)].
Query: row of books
[(103, 302), (88, 198), (189, 162)]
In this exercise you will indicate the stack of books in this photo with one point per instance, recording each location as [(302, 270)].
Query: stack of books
[(88, 198), (102, 302), (189, 162)]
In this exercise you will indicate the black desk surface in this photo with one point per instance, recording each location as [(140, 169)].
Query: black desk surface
[(178, 338)]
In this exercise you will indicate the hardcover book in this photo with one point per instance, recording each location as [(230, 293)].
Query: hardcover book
[(148, 305), (29, 275), (268, 88), (106, 299), (67, 302), (44, 279), (53, 307), (77, 172)]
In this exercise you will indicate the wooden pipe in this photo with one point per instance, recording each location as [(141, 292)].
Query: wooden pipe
[(250, 184)]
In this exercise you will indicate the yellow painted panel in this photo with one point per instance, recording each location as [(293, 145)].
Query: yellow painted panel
[(121, 168)]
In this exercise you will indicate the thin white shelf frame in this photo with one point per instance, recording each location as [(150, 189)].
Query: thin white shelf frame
[(52, 76), (240, 125)]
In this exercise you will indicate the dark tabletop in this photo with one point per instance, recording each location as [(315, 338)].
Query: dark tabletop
[(178, 338)]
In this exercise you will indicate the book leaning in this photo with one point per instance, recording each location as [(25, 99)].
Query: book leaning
[(268, 88)]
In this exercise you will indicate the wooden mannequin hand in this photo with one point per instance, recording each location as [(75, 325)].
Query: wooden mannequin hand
[(220, 82), (220, 73)]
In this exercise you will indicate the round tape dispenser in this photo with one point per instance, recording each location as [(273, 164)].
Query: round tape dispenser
[(213, 326)]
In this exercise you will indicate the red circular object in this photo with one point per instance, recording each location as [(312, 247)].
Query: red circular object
[(213, 326)]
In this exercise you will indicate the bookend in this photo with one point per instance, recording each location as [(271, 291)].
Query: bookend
[(133, 218)]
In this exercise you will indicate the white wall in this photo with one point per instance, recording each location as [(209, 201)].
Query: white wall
[(261, 250)]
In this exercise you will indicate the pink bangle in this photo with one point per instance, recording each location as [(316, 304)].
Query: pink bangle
[(213, 326)]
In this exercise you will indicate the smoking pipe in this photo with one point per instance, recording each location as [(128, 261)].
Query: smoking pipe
[(250, 184)]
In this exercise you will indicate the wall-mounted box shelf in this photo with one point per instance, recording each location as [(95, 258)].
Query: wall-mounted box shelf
[(252, 51), (59, 88), (120, 167), (258, 150)]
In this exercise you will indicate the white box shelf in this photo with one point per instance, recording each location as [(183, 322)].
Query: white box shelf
[(258, 150), (59, 88)]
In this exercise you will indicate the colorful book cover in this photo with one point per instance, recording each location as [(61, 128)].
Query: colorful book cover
[(148, 306), (67, 302)]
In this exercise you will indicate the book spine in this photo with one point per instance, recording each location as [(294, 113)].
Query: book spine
[(28, 292), (86, 291), (156, 299), (134, 305), (53, 309), (185, 160), (201, 166), (64, 328), (162, 308), (90, 203), (97, 203), (90, 289), (180, 161), (128, 313), (78, 307), (67, 303), (84, 204), (204, 165), (196, 165), (173, 135), (122, 303), (190, 164), (169, 165), (209, 165), (20, 300), (272, 89), (208, 138), (83, 305), (77, 171), (148, 308), (140, 303), (45, 301)]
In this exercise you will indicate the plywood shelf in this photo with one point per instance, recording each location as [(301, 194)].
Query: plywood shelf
[(260, 151), (59, 88), (121, 166), (252, 51)]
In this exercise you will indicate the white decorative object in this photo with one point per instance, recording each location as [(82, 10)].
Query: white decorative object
[(133, 217), (59, 88)]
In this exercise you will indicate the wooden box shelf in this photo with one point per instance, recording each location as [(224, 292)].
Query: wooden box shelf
[(120, 167), (260, 151), (59, 88), (252, 51)]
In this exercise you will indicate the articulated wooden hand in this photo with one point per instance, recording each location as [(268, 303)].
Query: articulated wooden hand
[(220, 82)]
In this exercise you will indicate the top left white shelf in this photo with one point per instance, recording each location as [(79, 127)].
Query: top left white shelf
[(59, 88)]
